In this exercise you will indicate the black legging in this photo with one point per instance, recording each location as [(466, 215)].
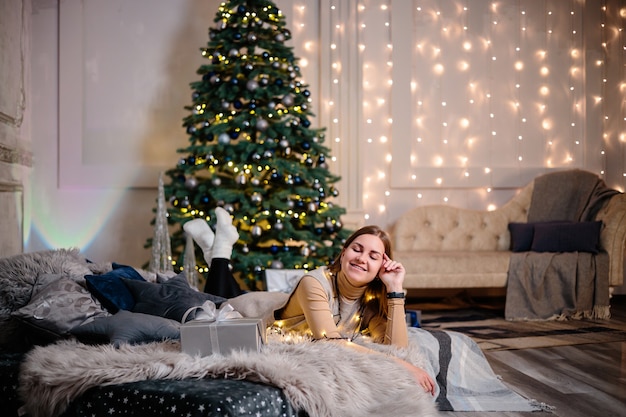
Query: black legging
[(220, 280)]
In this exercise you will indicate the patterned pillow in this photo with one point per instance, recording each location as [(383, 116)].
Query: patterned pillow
[(58, 307)]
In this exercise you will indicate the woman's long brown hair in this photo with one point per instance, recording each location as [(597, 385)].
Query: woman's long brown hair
[(375, 296)]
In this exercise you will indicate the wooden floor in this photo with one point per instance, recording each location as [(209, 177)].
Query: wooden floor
[(578, 381)]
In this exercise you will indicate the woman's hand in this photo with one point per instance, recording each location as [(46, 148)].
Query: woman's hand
[(423, 379), (392, 274)]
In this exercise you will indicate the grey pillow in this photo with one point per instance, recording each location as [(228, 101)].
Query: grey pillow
[(170, 299), (58, 307), (127, 327)]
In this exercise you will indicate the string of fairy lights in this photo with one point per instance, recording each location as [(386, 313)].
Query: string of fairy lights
[(536, 115)]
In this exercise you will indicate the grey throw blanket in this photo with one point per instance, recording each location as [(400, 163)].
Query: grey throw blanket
[(561, 285), (573, 195)]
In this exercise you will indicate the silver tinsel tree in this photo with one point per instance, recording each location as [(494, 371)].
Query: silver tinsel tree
[(190, 263), (161, 260)]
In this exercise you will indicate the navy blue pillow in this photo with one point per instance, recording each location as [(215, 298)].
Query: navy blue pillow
[(567, 237), (170, 299), (521, 236), (110, 290)]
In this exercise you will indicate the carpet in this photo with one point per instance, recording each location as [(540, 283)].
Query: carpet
[(489, 329)]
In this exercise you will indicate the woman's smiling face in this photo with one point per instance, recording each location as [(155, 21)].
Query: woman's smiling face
[(362, 259)]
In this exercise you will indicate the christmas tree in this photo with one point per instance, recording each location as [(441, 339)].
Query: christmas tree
[(252, 150)]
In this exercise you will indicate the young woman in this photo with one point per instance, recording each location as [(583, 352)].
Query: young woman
[(359, 293)]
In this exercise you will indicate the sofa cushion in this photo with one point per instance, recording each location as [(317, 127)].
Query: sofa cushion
[(454, 269), (567, 237)]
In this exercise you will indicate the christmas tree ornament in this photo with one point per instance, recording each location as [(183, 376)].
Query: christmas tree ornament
[(288, 100), (277, 264), (252, 85), (256, 198), (279, 225), (241, 179), (216, 181), (223, 139), (262, 124), (256, 231), (191, 182)]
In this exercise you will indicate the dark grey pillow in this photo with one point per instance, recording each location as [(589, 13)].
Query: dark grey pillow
[(170, 299), (126, 327)]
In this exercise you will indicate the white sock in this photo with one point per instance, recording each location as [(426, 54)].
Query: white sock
[(226, 235), (202, 234)]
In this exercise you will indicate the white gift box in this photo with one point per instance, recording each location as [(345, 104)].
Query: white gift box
[(282, 280), (202, 337)]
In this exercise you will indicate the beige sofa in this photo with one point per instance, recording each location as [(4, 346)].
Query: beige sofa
[(443, 247)]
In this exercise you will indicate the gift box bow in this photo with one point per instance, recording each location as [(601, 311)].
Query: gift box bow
[(209, 312)]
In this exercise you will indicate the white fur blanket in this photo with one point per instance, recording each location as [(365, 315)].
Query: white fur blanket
[(321, 378)]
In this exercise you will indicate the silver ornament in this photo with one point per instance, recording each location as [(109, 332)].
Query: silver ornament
[(252, 85), (223, 138), (217, 181), (241, 179), (256, 231), (279, 225), (262, 124), (288, 100), (276, 264), (191, 182), (305, 251), (256, 198)]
